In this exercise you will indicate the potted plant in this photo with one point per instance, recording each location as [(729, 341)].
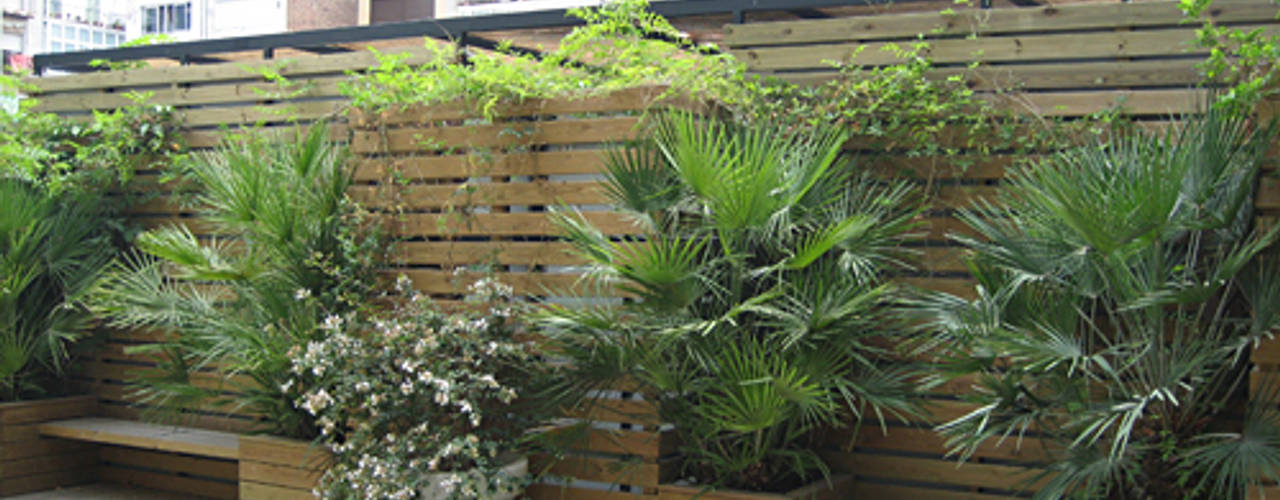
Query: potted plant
[(762, 300), (416, 401), (1122, 284)]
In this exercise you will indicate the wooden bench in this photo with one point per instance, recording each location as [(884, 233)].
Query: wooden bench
[(163, 457)]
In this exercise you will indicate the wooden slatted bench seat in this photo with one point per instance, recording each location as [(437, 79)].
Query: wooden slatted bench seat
[(165, 438), (181, 460)]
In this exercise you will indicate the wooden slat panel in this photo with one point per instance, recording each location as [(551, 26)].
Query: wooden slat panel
[(866, 490), (255, 113), (280, 451), (986, 21), (39, 411), (226, 423), (599, 469), (527, 283), (313, 65), (280, 475), (500, 252), (970, 474), (258, 491), (926, 440), (505, 224), (47, 481), (454, 166), (43, 447), (184, 464), (544, 193), (13, 469), (555, 492), (146, 436), (194, 95), (1180, 72), (628, 100), (166, 482), (496, 135), (990, 49)]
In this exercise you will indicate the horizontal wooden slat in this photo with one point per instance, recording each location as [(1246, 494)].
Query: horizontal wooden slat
[(454, 166), (1146, 102), (48, 481), (204, 139), (927, 440), (497, 135), (170, 462), (39, 411), (250, 490), (557, 492), (964, 22), (280, 475), (544, 193), (183, 96), (225, 423), (13, 469), (602, 470), (866, 490), (313, 65), (167, 482), (630, 100), (506, 224), (280, 451), (452, 253), (988, 49), (146, 436), (524, 283), (939, 471), (261, 113)]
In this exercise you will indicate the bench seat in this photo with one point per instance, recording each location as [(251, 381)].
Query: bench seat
[(146, 436)]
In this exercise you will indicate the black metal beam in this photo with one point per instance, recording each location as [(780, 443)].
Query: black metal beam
[(434, 28), (324, 49), (809, 14)]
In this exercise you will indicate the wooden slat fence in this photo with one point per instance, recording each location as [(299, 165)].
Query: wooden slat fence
[(1063, 61), (477, 193)]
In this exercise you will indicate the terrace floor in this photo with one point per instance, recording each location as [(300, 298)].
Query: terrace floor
[(99, 491)]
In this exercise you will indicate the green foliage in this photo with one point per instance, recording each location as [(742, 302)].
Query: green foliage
[(91, 154), (761, 283), (1244, 59), (1120, 286), (52, 248), (286, 229), (610, 52)]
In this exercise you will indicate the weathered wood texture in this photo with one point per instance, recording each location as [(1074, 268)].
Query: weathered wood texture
[(1062, 60), (31, 462), (279, 469), (477, 194)]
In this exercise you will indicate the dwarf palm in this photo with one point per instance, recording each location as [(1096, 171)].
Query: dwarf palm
[(291, 249), (1119, 287), (52, 248), (757, 289)]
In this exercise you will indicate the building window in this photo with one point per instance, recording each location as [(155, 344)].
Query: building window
[(166, 18), (68, 37)]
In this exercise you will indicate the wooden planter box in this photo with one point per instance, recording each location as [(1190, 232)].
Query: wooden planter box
[(273, 468), (840, 488), (30, 462)]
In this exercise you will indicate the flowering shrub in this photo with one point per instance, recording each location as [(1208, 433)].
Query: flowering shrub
[(410, 391)]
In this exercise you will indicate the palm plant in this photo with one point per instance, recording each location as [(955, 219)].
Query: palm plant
[(291, 250), (1120, 286), (52, 248), (757, 300)]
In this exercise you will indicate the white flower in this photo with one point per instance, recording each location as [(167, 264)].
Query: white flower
[(333, 322), (286, 386), (302, 294)]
